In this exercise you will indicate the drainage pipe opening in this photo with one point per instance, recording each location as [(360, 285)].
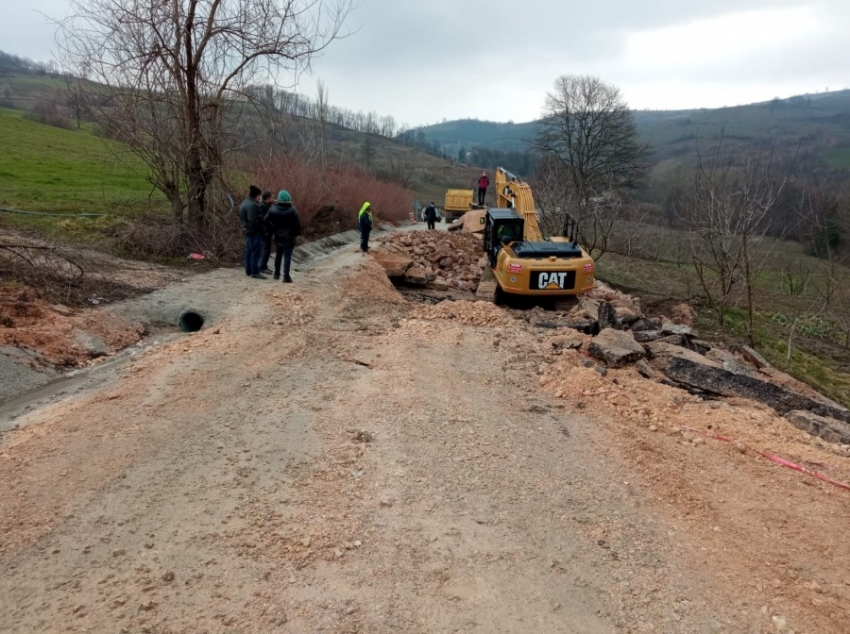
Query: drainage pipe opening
[(191, 321)]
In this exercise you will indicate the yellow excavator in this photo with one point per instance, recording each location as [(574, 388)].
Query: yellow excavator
[(522, 262)]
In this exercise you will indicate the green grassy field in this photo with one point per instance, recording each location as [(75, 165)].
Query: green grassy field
[(43, 168)]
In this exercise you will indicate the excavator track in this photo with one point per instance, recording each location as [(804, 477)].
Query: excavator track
[(487, 287)]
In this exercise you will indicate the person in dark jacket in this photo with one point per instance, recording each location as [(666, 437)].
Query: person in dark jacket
[(249, 216), (364, 224), (286, 225), (483, 184), (268, 232), (431, 215)]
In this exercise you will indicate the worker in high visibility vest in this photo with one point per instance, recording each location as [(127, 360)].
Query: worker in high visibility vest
[(364, 224)]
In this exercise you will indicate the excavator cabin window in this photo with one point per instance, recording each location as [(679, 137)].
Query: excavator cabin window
[(508, 232)]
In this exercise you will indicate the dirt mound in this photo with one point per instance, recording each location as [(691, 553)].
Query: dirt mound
[(57, 335), (452, 258), (463, 312), (604, 293)]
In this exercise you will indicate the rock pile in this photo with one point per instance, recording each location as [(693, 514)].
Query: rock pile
[(441, 261), (675, 354)]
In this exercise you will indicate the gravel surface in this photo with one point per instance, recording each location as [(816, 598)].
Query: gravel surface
[(328, 457)]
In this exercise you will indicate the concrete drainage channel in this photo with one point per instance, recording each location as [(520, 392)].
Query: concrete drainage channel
[(11, 410)]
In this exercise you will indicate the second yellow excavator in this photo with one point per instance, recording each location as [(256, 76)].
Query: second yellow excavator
[(523, 262)]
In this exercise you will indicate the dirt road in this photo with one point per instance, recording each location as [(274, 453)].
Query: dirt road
[(327, 457)]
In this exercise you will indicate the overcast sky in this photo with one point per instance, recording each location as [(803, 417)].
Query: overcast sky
[(495, 59)]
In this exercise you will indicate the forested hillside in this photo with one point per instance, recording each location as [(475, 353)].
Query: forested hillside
[(814, 128)]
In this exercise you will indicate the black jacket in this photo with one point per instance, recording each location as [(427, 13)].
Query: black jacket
[(249, 216), (264, 212), (430, 213), (285, 223)]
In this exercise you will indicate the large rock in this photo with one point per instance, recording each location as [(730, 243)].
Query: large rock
[(660, 353), (625, 314), (699, 374), (607, 316), (589, 306), (729, 361), (418, 275), (616, 348), (646, 336), (472, 221), (669, 328), (394, 265), (829, 429), (646, 323), (91, 344), (751, 355)]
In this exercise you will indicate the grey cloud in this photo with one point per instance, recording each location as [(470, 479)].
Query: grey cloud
[(422, 61)]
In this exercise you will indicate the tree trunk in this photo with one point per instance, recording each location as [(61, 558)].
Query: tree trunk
[(176, 206), (197, 177), (749, 282)]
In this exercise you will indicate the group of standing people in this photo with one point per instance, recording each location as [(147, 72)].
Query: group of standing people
[(264, 218)]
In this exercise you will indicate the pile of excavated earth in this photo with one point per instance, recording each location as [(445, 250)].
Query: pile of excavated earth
[(607, 329), (670, 350), (436, 261), (616, 333)]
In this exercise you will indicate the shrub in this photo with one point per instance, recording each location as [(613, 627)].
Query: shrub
[(48, 113), (328, 199)]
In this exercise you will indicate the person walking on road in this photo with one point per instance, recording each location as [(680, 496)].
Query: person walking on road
[(364, 224), (431, 215), (286, 224), (249, 216), (483, 184), (268, 231)]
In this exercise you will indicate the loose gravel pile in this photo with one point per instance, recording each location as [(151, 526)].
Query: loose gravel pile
[(454, 259)]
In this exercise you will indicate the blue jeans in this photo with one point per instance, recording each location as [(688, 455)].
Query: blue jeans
[(364, 240), (267, 252), (253, 253), (283, 253)]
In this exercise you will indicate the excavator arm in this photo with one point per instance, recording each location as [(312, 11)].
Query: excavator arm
[(514, 193)]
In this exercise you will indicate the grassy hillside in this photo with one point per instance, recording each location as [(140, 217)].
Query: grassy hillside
[(43, 168)]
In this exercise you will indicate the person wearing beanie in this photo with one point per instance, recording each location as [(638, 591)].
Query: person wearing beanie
[(286, 224), (252, 229), (268, 232)]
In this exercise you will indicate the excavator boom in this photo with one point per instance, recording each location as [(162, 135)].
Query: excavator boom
[(514, 193)]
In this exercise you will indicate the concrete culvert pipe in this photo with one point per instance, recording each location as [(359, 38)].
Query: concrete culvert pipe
[(191, 321)]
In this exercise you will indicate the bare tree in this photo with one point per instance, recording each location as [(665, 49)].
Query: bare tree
[(176, 73), (322, 117), (727, 214), (601, 219), (589, 132)]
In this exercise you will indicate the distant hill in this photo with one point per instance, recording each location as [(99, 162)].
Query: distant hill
[(818, 125)]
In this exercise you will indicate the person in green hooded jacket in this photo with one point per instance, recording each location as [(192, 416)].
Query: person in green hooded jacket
[(364, 224)]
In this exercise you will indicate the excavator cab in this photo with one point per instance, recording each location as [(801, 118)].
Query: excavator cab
[(502, 227)]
